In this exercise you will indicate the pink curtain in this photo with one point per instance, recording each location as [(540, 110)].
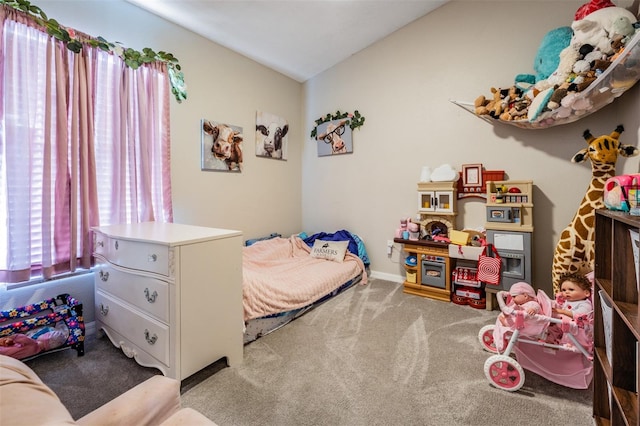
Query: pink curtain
[(85, 143)]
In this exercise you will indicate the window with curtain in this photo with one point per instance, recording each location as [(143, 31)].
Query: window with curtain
[(84, 141)]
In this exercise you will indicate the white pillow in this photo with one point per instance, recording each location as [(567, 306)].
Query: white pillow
[(330, 250)]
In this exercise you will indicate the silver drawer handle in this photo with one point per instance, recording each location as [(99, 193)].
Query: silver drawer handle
[(150, 339), (116, 245), (104, 310), (100, 243), (150, 298), (153, 257), (104, 276)]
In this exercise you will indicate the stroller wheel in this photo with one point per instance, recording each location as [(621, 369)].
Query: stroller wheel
[(485, 336), (504, 372)]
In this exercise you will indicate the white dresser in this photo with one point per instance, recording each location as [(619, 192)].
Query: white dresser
[(170, 295)]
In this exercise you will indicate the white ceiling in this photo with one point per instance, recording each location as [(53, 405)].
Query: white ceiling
[(299, 38)]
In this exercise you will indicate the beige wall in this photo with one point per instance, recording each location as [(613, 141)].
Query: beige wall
[(403, 86), (222, 86)]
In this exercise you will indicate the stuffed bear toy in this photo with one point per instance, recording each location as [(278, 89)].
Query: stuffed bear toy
[(484, 106), (513, 104), (558, 94), (517, 111), (502, 104)]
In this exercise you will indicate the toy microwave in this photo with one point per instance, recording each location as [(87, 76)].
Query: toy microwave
[(503, 214), (621, 192)]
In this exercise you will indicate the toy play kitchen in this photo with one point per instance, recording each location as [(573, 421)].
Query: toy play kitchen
[(441, 261)]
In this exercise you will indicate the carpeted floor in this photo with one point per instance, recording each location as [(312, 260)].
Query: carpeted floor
[(87, 382), (372, 356), (377, 356)]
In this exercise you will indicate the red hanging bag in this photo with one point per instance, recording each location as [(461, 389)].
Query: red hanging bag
[(489, 265)]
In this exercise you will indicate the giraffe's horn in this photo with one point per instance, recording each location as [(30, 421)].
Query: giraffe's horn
[(617, 131), (588, 136)]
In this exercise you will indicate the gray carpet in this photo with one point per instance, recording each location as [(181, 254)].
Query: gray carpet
[(104, 372), (377, 356), (87, 382), (372, 356)]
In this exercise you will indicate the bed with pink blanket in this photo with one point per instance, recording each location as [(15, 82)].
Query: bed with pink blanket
[(282, 281)]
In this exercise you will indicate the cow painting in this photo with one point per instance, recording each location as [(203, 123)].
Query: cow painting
[(221, 146), (334, 137), (271, 136)]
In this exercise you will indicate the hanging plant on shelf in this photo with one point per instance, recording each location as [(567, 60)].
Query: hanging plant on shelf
[(355, 120), (132, 58)]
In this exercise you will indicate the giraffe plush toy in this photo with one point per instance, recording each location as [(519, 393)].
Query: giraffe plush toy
[(575, 250)]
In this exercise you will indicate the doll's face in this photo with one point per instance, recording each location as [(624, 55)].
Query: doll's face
[(520, 299), (572, 291)]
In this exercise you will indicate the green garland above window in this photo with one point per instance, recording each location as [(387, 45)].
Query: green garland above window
[(355, 120), (131, 58)]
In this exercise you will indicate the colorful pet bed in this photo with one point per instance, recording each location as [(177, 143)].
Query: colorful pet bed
[(283, 280), (49, 325)]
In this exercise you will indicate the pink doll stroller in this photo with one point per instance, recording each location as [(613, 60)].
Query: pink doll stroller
[(565, 358)]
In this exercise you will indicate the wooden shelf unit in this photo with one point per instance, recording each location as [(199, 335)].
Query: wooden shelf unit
[(512, 212), (616, 381)]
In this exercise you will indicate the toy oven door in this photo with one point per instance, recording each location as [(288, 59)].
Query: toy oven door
[(433, 273)]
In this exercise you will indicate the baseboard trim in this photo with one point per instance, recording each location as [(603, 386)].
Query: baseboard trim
[(90, 328), (386, 276)]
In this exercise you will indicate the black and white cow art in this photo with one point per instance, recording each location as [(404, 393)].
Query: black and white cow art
[(269, 139)]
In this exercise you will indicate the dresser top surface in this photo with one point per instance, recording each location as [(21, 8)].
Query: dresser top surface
[(171, 234)]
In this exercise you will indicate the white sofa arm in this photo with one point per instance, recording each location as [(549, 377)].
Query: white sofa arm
[(149, 403)]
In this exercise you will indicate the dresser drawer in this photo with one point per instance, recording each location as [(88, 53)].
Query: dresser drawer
[(143, 256), (150, 335), (149, 294)]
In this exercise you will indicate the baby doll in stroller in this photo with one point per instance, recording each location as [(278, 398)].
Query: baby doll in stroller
[(552, 338)]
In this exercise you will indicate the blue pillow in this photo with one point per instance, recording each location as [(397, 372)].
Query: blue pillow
[(255, 240)]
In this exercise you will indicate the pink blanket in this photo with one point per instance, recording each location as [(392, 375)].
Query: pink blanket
[(280, 275)]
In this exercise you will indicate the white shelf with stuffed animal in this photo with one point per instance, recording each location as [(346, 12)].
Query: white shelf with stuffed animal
[(594, 61)]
